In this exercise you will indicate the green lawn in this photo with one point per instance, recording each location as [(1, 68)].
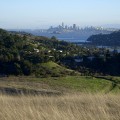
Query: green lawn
[(80, 83), (57, 70), (63, 84)]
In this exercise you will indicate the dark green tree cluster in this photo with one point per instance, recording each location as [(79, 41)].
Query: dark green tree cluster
[(99, 65), (112, 39)]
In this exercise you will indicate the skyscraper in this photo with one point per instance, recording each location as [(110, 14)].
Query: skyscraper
[(62, 24), (74, 26)]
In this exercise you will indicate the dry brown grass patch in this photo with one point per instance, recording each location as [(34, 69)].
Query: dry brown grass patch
[(65, 107)]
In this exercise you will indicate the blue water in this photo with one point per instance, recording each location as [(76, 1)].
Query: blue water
[(69, 37), (72, 39)]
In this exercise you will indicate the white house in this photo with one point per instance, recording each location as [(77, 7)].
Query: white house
[(90, 58), (36, 50), (78, 59), (60, 51)]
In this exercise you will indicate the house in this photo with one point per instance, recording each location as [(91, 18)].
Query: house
[(54, 49), (49, 51), (78, 59), (51, 56), (60, 51), (36, 50), (102, 55), (91, 58)]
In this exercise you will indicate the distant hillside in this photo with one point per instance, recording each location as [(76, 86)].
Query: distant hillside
[(112, 39), (24, 54)]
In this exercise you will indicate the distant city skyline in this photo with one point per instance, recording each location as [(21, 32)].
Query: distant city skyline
[(75, 26), (41, 14)]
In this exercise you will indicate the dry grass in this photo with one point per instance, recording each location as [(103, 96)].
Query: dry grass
[(65, 107)]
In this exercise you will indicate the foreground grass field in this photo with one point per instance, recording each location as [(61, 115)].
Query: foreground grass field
[(64, 107), (60, 98)]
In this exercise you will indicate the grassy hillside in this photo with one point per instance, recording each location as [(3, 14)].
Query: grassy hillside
[(56, 70), (62, 84)]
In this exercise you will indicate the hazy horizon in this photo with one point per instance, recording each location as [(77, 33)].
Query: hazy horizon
[(41, 14)]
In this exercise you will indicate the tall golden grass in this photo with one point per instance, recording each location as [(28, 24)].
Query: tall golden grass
[(64, 107)]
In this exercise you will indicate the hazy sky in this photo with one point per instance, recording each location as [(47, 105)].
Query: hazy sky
[(43, 13)]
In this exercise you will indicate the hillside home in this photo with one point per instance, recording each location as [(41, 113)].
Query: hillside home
[(78, 59), (91, 58)]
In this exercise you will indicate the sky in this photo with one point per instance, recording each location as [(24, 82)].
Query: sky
[(38, 14)]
